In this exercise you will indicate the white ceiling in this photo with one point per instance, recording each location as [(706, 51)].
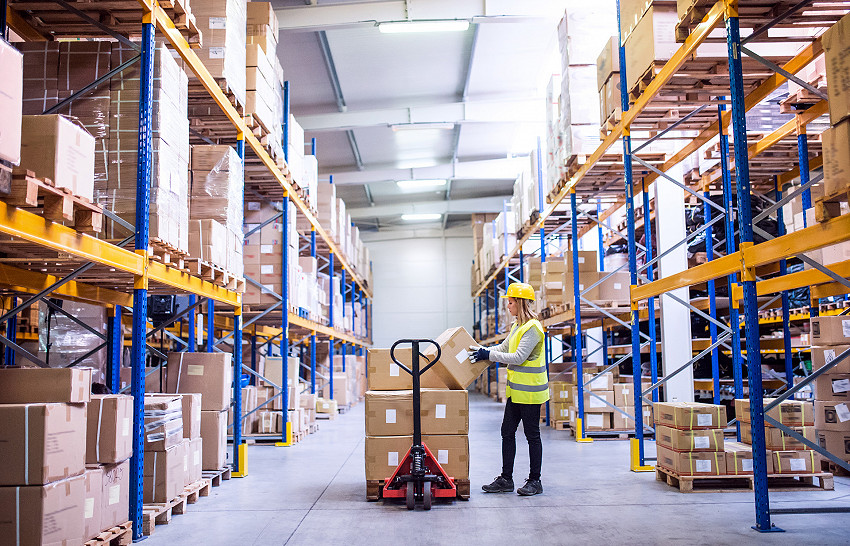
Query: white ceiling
[(485, 85)]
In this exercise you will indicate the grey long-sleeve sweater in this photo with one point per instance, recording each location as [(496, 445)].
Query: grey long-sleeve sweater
[(529, 348)]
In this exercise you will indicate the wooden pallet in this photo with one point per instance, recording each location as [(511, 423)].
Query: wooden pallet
[(374, 489), (560, 425), (829, 206), (55, 204), (216, 476), (160, 513), (167, 254), (802, 99), (608, 125), (732, 483), (120, 535)]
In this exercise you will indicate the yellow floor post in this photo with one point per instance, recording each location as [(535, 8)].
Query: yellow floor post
[(634, 446), (243, 462), (288, 441), (580, 437)]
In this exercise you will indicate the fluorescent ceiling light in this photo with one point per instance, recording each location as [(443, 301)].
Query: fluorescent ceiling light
[(424, 126), (416, 184), (442, 25), (421, 217)]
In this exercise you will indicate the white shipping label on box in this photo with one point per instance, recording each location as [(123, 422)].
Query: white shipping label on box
[(89, 507), (185, 463), (218, 23), (125, 427), (703, 466), (394, 369), (842, 412), (618, 286), (266, 249), (267, 270), (462, 356), (390, 416), (840, 385), (701, 442), (565, 412), (594, 419), (705, 420), (565, 394), (325, 405), (443, 456), (194, 369), (747, 465), (798, 465), (581, 259), (115, 493), (597, 403), (216, 52), (392, 458), (845, 328), (197, 457), (440, 412), (828, 356)]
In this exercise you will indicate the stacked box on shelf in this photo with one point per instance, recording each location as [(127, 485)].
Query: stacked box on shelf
[(44, 450), (836, 139), (831, 338), (444, 411), (554, 166), (11, 103), (295, 157), (164, 448), (786, 454), (269, 415), (608, 82), (263, 31), (260, 79), (689, 438), (216, 194), (224, 27), (263, 252)]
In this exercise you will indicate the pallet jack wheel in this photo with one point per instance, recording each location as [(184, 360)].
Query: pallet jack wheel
[(411, 498), (426, 495)]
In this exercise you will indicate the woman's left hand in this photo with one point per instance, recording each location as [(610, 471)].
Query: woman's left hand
[(479, 354)]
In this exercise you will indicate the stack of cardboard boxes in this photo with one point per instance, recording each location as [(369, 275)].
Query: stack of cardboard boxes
[(689, 438), (608, 82), (444, 406), (262, 32), (554, 281), (65, 456), (836, 139), (785, 454), (224, 27), (830, 338)]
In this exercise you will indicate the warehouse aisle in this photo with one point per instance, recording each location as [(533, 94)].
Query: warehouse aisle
[(314, 493)]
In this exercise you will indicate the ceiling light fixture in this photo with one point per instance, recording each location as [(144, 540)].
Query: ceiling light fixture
[(421, 217), (437, 25), (417, 184), (423, 126)]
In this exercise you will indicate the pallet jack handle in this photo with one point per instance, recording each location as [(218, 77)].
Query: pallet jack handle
[(415, 372)]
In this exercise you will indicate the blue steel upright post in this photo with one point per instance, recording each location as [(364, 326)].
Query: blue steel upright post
[(140, 283), (193, 329), (650, 303), (11, 324), (600, 241), (286, 427), (237, 343), (712, 305), (115, 348), (638, 458), (210, 325), (581, 425), (786, 303), (313, 333), (330, 317), (803, 157), (742, 181)]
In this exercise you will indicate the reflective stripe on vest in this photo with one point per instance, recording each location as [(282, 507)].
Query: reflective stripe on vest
[(527, 383)]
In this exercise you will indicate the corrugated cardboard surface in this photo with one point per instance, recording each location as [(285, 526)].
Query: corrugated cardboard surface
[(383, 454), (210, 374), (823, 355), (41, 443), (795, 462), (163, 421), (109, 428), (26, 385), (692, 463), (829, 415), (116, 494), (54, 147), (837, 45), (385, 375), (194, 455), (791, 413), (830, 330), (777, 439), (836, 442), (93, 501), (689, 440), (739, 459), (689, 415), (390, 413), (454, 366), (44, 514), (164, 473), (214, 436), (11, 97)]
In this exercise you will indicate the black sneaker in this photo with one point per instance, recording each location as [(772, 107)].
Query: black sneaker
[(499, 485), (531, 487)]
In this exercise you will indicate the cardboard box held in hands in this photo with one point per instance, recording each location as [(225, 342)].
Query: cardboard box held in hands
[(454, 366)]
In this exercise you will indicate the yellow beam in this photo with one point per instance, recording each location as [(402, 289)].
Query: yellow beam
[(701, 273), (22, 28), (33, 282), (788, 128), (34, 228), (807, 277), (158, 272), (166, 26)]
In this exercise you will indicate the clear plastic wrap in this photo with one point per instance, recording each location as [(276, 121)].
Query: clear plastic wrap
[(61, 341), (224, 26)]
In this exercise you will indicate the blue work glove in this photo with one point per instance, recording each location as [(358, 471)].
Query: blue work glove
[(479, 354)]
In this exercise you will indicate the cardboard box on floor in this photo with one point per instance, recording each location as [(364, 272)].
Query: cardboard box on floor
[(692, 463), (210, 374), (194, 458), (836, 442), (386, 375), (27, 385), (562, 393), (384, 453), (115, 497), (796, 462), (390, 413), (689, 440), (93, 502), (739, 459), (832, 416), (454, 366), (54, 514), (41, 443), (164, 473), (777, 440), (689, 415), (214, 436), (108, 429), (791, 413), (163, 421)]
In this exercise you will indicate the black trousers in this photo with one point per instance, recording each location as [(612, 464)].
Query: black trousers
[(529, 414)]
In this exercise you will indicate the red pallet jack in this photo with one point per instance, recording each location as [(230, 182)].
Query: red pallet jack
[(419, 477)]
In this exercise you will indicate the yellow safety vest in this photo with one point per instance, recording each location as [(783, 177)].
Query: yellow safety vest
[(528, 382)]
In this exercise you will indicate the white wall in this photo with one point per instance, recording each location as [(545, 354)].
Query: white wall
[(422, 287)]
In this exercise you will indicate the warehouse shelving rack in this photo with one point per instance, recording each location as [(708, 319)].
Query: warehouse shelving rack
[(747, 259), (68, 264)]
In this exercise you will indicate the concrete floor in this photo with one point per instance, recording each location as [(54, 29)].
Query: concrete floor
[(314, 493)]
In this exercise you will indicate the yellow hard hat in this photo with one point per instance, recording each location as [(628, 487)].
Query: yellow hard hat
[(520, 290)]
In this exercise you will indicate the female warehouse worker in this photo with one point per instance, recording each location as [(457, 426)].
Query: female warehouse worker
[(527, 388)]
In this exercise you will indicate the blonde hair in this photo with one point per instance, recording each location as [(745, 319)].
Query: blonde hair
[(525, 311)]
